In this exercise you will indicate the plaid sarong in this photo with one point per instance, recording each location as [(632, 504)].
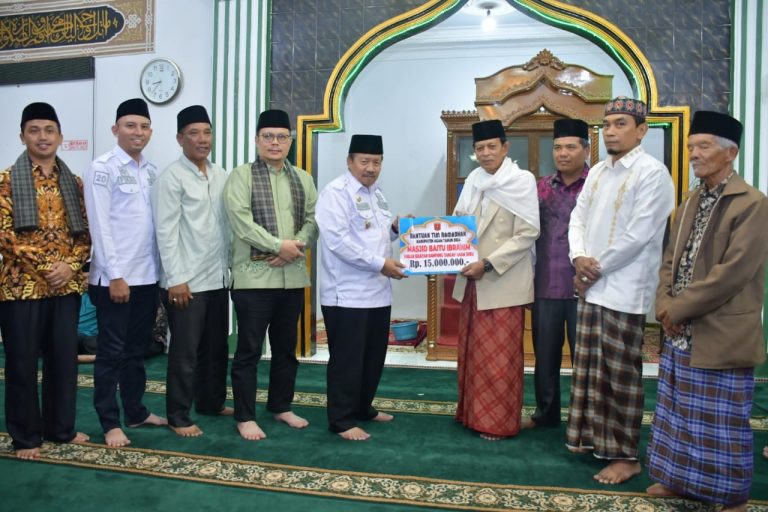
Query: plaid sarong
[(263, 206), (701, 440), (606, 388), (24, 195), (490, 369)]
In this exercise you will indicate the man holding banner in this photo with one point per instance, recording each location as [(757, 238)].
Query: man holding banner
[(356, 233), (494, 290)]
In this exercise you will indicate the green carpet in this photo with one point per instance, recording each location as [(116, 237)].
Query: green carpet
[(422, 458)]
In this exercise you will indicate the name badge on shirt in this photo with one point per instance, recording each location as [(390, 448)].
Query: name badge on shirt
[(381, 201), (126, 182)]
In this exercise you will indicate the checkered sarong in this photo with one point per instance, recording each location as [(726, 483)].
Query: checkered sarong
[(490, 368), (701, 440), (606, 389)]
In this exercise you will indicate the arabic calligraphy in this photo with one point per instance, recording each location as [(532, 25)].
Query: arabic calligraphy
[(60, 28)]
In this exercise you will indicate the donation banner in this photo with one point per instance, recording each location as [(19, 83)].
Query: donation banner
[(437, 245)]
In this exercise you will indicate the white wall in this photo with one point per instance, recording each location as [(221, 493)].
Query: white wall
[(76, 119), (189, 43), (401, 94)]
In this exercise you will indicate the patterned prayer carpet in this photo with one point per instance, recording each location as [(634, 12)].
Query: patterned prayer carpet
[(421, 460)]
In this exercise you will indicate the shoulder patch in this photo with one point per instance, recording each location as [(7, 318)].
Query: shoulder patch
[(101, 178)]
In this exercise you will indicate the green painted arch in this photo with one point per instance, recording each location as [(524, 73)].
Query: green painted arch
[(606, 35)]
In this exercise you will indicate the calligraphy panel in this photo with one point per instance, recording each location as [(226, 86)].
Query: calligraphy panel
[(53, 29)]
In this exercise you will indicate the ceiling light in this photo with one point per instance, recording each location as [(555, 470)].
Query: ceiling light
[(489, 22)]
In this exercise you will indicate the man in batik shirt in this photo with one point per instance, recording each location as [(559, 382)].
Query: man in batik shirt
[(554, 310), (710, 301), (44, 243)]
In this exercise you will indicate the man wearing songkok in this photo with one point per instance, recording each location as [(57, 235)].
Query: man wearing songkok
[(494, 290), (554, 310), (124, 271), (709, 301), (43, 244), (615, 236), (193, 240), (356, 233), (271, 208)]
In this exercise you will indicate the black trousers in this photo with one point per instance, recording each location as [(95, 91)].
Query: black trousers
[(32, 328), (124, 333), (551, 319), (357, 342), (197, 356), (275, 310)]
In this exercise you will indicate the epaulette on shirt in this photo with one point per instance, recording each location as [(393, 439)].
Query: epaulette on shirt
[(105, 157), (340, 184)]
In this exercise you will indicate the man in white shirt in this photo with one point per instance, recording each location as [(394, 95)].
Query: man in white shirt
[(356, 232), (124, 271), (615, 236), (193, 240)]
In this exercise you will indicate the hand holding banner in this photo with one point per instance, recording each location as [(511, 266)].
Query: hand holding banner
[(437, 245)]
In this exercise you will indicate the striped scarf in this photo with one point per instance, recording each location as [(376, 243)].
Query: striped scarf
[(263, 206), (24, 195)]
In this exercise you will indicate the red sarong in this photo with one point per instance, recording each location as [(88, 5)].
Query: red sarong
[(490, 367)]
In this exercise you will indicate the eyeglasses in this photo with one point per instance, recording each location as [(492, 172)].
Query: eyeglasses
[(282, 138)]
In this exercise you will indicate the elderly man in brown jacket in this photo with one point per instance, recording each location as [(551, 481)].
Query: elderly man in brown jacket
[(709, 301)]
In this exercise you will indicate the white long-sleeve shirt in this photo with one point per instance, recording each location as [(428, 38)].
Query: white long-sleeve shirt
[(355, 239), (117, 199), (193, 236), (619, 220)]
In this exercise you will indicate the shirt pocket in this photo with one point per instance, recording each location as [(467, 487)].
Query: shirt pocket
[(128, 198), (129, 188), (127, 184), (363, 220)]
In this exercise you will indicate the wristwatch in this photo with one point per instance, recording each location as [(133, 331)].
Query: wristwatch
[(487, 267)]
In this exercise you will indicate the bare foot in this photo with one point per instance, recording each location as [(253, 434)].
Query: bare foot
[(190, 431), (80, 438), (226, 411), (618, 471), (355, 434), (527, 423), (153, 419), (86, 358), (382, 416), (250, 431), (660, 490), (28, 453), (491, 437), (291, 419), (116, 437), (735, 508)]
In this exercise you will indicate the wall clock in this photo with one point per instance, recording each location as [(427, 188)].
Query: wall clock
[(160, 81)]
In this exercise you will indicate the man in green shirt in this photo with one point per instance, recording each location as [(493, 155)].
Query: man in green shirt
[(271, 209)]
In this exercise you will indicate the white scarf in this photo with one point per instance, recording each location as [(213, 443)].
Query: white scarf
[(510, 187)]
